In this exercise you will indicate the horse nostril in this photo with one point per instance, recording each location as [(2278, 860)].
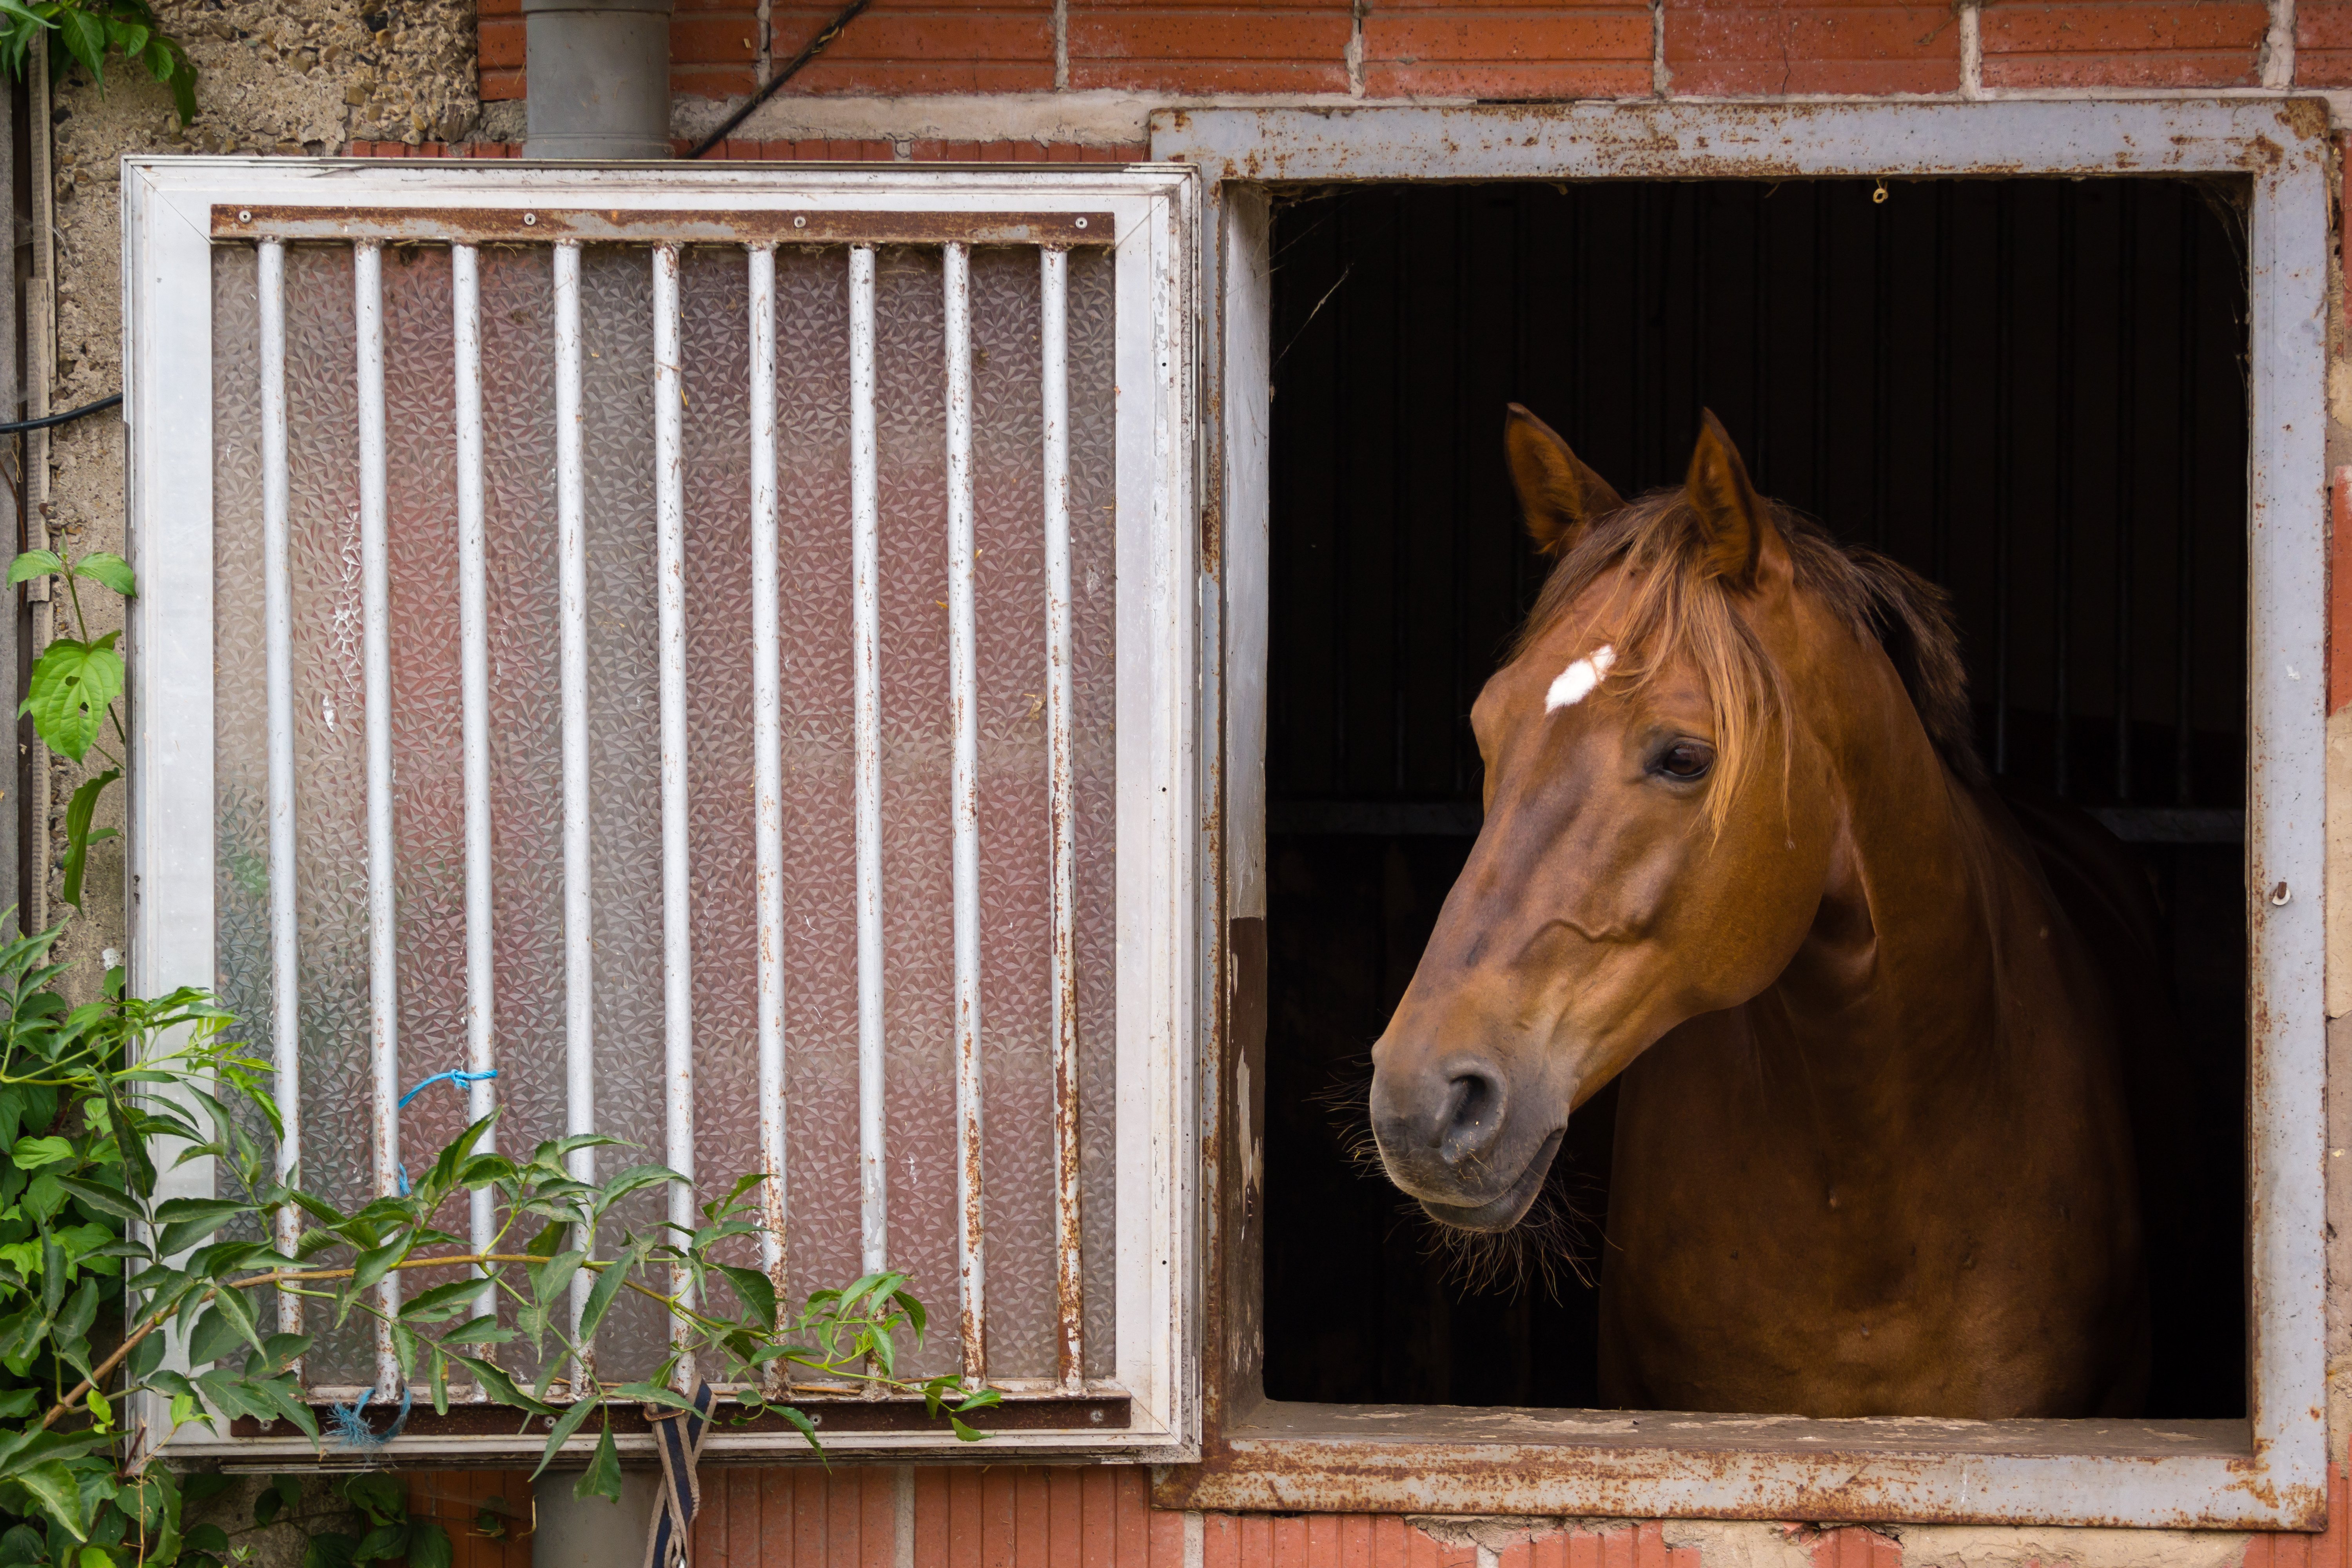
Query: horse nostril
[(1473, 1115)]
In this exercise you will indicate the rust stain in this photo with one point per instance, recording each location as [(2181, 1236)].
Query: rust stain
[(646, 227)]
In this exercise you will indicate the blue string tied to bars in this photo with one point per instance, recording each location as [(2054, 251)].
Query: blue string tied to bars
[(461, 1080), (349, 1424)]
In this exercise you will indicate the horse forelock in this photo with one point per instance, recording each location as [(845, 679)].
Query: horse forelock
[(1668, 604)]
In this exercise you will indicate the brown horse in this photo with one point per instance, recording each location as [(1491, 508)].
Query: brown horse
[(1873, 1154)]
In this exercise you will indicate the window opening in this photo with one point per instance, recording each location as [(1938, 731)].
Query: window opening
[(2031, 392)]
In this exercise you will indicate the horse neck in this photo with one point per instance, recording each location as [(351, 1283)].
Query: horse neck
[(1891, 995)]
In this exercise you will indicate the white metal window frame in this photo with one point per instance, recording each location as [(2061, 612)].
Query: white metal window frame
[(169, 221), (2270, 1471)]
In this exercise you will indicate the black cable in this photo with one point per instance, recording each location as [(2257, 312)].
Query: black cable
[(70, 415), (815, 46)]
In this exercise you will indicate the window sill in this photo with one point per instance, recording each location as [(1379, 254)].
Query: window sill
[(1350, 1458)]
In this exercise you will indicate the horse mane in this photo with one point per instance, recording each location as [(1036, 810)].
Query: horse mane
[(1674, 604)]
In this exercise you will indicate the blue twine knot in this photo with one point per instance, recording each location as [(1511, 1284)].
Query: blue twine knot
[(349, 1424), (460, 1079)]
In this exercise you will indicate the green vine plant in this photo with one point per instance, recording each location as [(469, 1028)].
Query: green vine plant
[(101, 1274), (90, 32), (71, 693), (83, 1205)]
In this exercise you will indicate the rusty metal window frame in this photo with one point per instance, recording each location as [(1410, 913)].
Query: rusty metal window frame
[(176, 210), (2266, 1472)]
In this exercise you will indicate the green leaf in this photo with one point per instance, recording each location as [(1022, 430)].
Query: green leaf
[(183, 88), (376, 1263), (383, 1543), (14, 1405), (187, 1221), (85, 38), (101, 1197), (603, 1476), (216, 1335), (482, 1331), (565, 1428), (383, 1499), (206, 1538), (104, 565), (59, 1494), (34, 564), (965, 1433), (608, 1286), (279, 1393), (502, 1388), (240, 1311), (79, 837), (428, 1546), (653, 1394), (329, 1549), (72, 682), (757, 1292), (800, 1419), (33, 1153)]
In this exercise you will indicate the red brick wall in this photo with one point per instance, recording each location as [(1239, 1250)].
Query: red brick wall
[(1475, 48)]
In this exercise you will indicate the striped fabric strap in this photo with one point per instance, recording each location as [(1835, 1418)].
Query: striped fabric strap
[(677, 1437)]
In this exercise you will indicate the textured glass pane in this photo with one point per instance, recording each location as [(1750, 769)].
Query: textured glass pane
[(820, 837), (918, 918), (1093, 448), (240, 691), (624, 749), (819, 936), (517, 292), (1016, 929), (330, 754), (518, 309), (716, 310), (427, 765)]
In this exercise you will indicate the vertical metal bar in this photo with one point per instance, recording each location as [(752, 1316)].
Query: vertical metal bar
[(865, 641), (963, 701), (1941, 504), (2062, 531), (677, 892), (2004, 404), (1760, 371), (1645, 431), (1882, 375), (474, 700), (375, 645), (768, 763), (579, 891), (1819, 501), (1342, 484), (1701, 329), (1061, 792), (1399, 506), (2126, 406), (2184, 783), (278, 602), (1458, 718)]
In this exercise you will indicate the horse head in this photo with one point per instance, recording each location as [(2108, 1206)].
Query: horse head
[(1654, 845)]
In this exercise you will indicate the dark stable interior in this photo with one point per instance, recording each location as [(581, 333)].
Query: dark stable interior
[(2031, 392)]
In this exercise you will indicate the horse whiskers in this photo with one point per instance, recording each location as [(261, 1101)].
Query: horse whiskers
[(1543, 1249)]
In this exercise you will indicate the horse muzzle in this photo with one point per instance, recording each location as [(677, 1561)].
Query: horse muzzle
[(1446, 1137)]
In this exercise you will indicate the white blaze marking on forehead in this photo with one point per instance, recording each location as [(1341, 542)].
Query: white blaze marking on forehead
[(1575, 683)]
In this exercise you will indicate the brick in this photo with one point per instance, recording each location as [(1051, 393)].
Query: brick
[(500, 85), (714, 40), (2124, 43), (2323, 43), (1447, 49), (500, 43), (1152, 46), (929, 48), (1734, 47)]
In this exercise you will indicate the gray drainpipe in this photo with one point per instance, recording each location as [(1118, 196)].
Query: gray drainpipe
[(597, 78)]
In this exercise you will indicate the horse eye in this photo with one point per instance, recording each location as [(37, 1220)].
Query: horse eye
[(1685, 760)]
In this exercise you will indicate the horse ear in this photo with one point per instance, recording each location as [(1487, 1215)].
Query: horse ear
[(1730, 512), (1558, 494)]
